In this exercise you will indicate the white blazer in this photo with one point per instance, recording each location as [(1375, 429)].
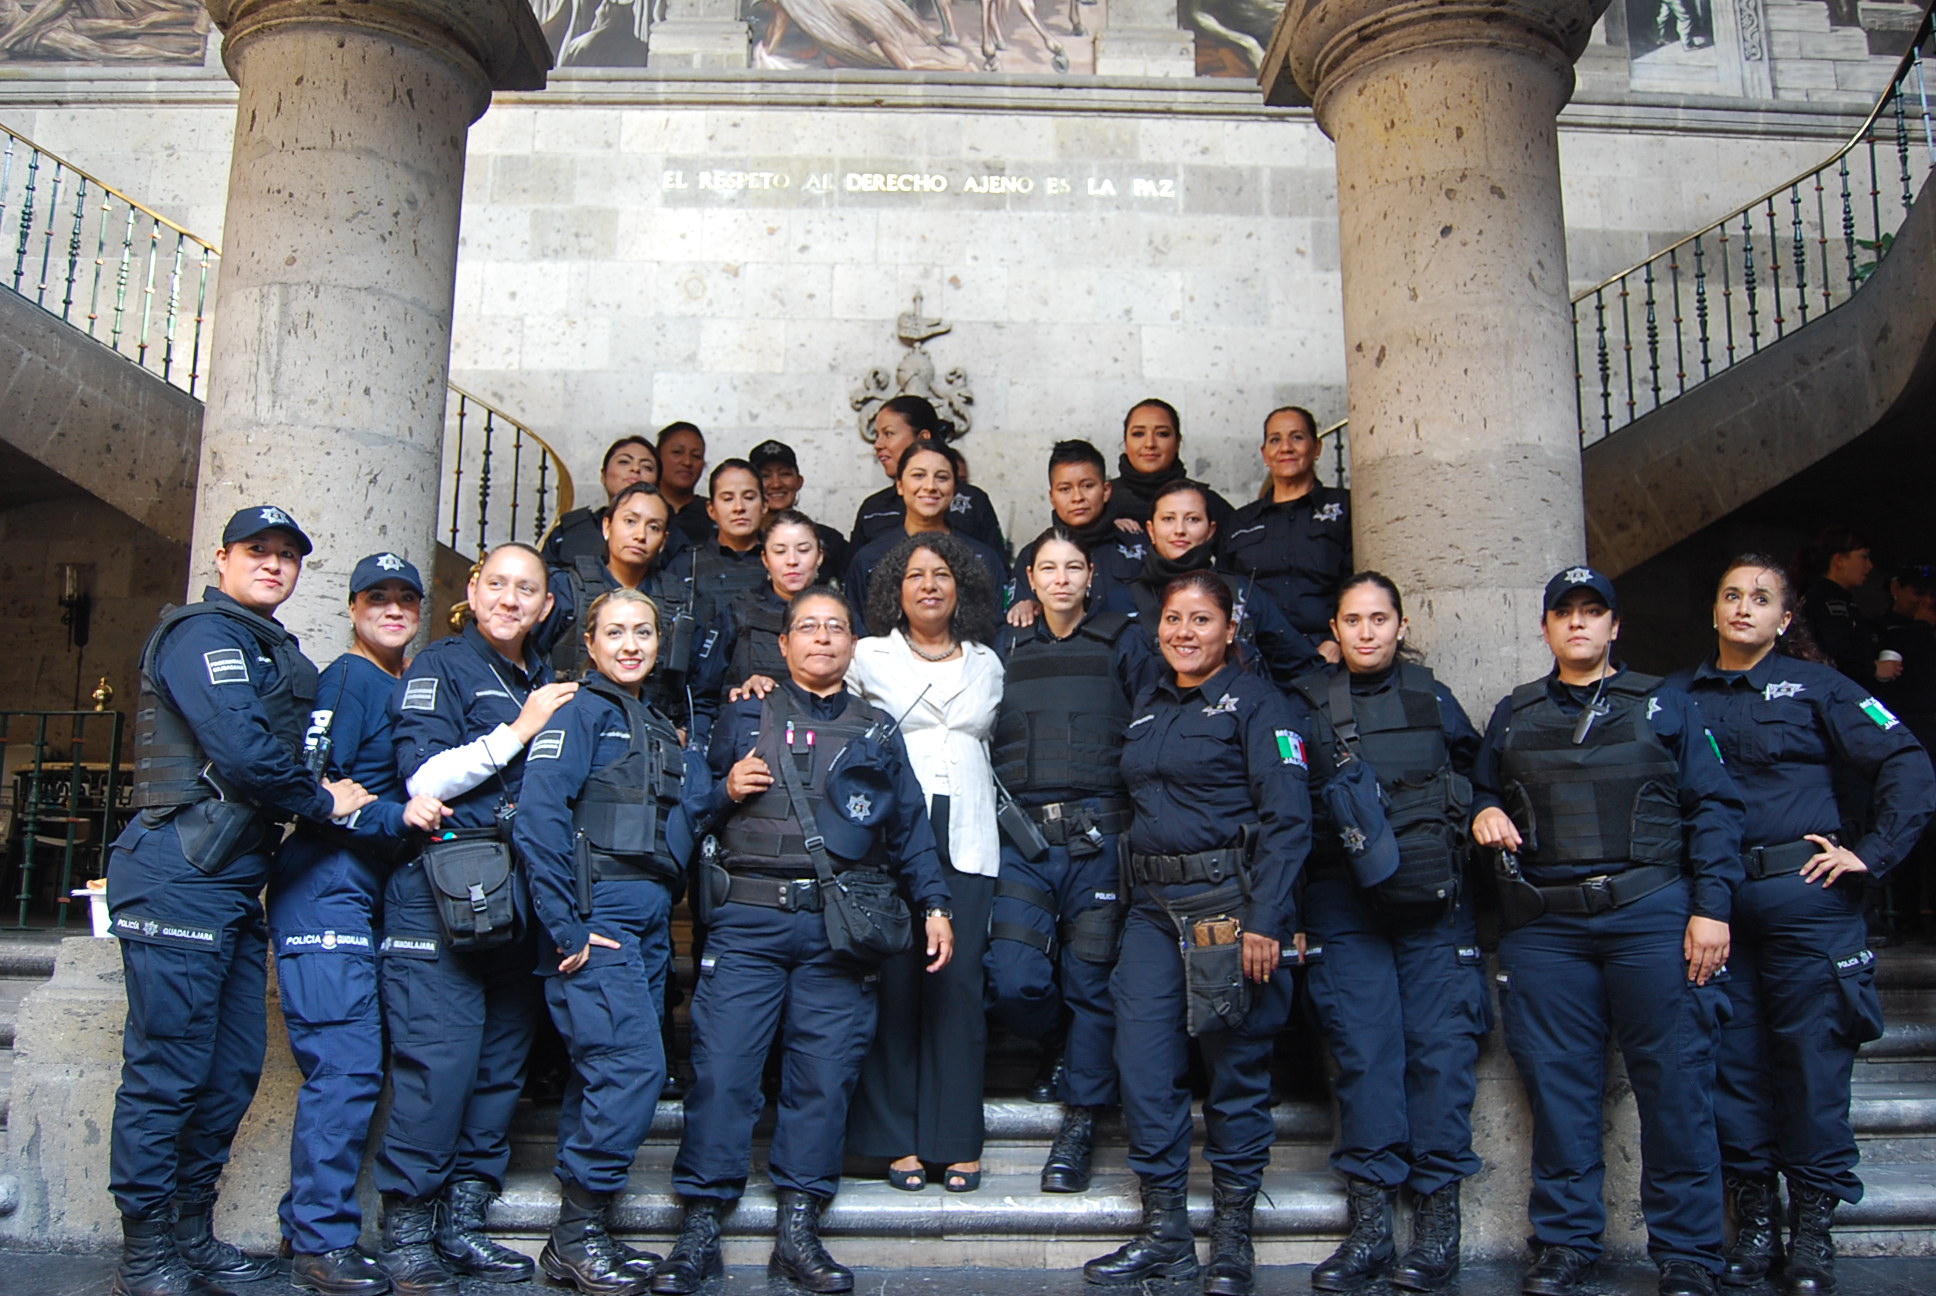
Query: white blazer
[(946, 734)]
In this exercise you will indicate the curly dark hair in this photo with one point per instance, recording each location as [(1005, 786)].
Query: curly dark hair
[(977, 608)]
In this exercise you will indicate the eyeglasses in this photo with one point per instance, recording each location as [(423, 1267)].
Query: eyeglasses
[(812, 626)]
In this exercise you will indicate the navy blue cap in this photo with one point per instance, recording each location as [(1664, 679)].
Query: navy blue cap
[(859, 796), (264, 517), (1580, 578), (377, 568), (772, 452)]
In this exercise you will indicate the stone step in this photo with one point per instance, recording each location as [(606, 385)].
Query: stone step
[(1906, 967), (1907, 1034), (1885, 1109)]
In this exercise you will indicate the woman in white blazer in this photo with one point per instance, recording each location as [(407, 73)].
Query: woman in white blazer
[(919, 1101)]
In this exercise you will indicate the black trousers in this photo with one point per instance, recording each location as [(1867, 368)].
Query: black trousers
[(920, 1088)]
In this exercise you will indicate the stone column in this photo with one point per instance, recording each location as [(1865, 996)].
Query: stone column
[(701, 34), (1144, 39), (333, 312), (1465, 454)]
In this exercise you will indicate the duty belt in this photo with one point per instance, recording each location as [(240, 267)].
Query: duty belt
[(1062, 821), (789, 895), (1772, 861), (1176, 870), (1608, 891)]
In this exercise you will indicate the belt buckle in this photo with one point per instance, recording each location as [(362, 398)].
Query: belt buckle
[(1598, 893), (1052, 811), (785, 890)]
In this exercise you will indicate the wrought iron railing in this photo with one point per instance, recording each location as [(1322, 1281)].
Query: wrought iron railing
[(143, 286), (66, 797), (1723, 293)]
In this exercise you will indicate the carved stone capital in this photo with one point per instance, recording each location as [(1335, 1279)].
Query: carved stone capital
[(496, 43), (1321, 45)]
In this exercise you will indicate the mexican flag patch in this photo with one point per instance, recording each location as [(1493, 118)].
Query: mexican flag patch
[(1878, 713), (1291, 747)]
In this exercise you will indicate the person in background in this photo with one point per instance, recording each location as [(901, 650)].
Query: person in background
[(898, 424), (579, 533), (779, 470), (1079, 494), (1835, 566), (1294, 541), (746, 641), (322, 909), (682, 462), (1151, 461), (728, 565), (225, 696), (1801, 976), (928, 479), (1624, 839)]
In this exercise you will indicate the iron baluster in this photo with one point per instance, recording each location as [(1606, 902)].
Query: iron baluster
[(74, 248), (1848, 220), (1680, 332), (1774, 266), (1626, 346), (544, 486), (47, 236), (457, 474), (174, 307), (1653, 332), (201, 315), (1727, 296), (6, 187), (1700, 308), (484, 483), (1902, 147), (1800, 252), (26, 220), (100, 265), (517, 477), (1748, 283), (1875, 198), (1821, 239), (121, 281), (1579, 374), (148, 292), (1606, 367)]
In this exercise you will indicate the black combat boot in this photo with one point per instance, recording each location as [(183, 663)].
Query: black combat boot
[(1048, 1072), (1685, 1278), (1757, 1236), (1811, 1251), (216, 1260), (1164, 1249), (798, 1255), (1232, 1262), (150, 1264), (1367, 1250), (1433, 1257), (346, 1271), (1067, 1169), (464, 1244), (582, 1250), (695, 1256), (409, 1255), (1555, 1271)]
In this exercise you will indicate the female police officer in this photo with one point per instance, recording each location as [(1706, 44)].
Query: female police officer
[(1802, 979), (600, 830), (1295, 541), (461, 1020), (1398, 981), (1068, 682), (1629, 834), (225, 693), (322, 919), (1215, 764), (746, 639)]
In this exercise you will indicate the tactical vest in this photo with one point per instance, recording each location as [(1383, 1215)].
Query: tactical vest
[(1400, 733), (764, 836), (587, 578), (718, 580), (1596, 806), (757, 650), (1063, 713), (623, 809), (168, 760)]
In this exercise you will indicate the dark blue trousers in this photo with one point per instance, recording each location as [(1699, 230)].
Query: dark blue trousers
[(1403, 999), (608, 1012), (322, 925), (195, 956), (1567, 985), (1802, 982), (1153, 1059), (763, 968), (460, 1031), (1027, 990)]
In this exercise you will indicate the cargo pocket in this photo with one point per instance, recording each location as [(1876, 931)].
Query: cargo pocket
[(173, 989), (1656, 834), (1861, 1017), (326, 988), (1709, 1007), (1478, 1004)]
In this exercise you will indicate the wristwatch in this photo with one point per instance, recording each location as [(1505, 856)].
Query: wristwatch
[(936, 911)]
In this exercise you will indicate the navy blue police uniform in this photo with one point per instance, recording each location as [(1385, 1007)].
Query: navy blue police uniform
[(1395, 971), (1115, 559), (1801, 976), (1057, 749), (1132, 494), (720, 576), (885, 513), (1626, 833), (1270, 645), (225, 699), (560, 637), (860, 568), (460, 1023), (322, 909), (744, 642), (1298, 552)]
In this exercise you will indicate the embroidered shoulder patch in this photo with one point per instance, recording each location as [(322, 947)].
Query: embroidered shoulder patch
[(1882, 715), (420, 694), (548, 745), (1290, 746), (227, 666)]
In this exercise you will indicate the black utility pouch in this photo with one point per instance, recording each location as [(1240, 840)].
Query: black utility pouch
[(1096, 935), (867, 920), (1019, 830), (1519, 900), (1215, 991), (473, 881), (214, 833)]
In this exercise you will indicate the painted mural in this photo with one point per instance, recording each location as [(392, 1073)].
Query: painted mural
[(103, 31)]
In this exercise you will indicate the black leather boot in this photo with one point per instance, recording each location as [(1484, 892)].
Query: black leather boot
[(1231, 1271), (1367, 1250), (464, 1244), (1164, 1249), (1811, 1250), (1685, 1278), (1432, 1259), (409, 1255), (695, 1256), (582, 1250), (1067, 1169), (150, 1264), (798, 1255), (1555, 1271), (1757, 1236), (1048, 1072), (216, 1260), (346, 1271)]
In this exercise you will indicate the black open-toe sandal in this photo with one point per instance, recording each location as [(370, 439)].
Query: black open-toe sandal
[(907, 1180), (961, 1181)]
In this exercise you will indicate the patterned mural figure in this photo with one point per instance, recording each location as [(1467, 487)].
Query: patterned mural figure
[(103, 31)]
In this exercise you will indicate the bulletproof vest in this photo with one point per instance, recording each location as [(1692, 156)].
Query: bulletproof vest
[(1599, 805), (623, 809), (1063, 712), (764, 835), (757, 650), (587, 578), (717, 580), (168, 761)]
